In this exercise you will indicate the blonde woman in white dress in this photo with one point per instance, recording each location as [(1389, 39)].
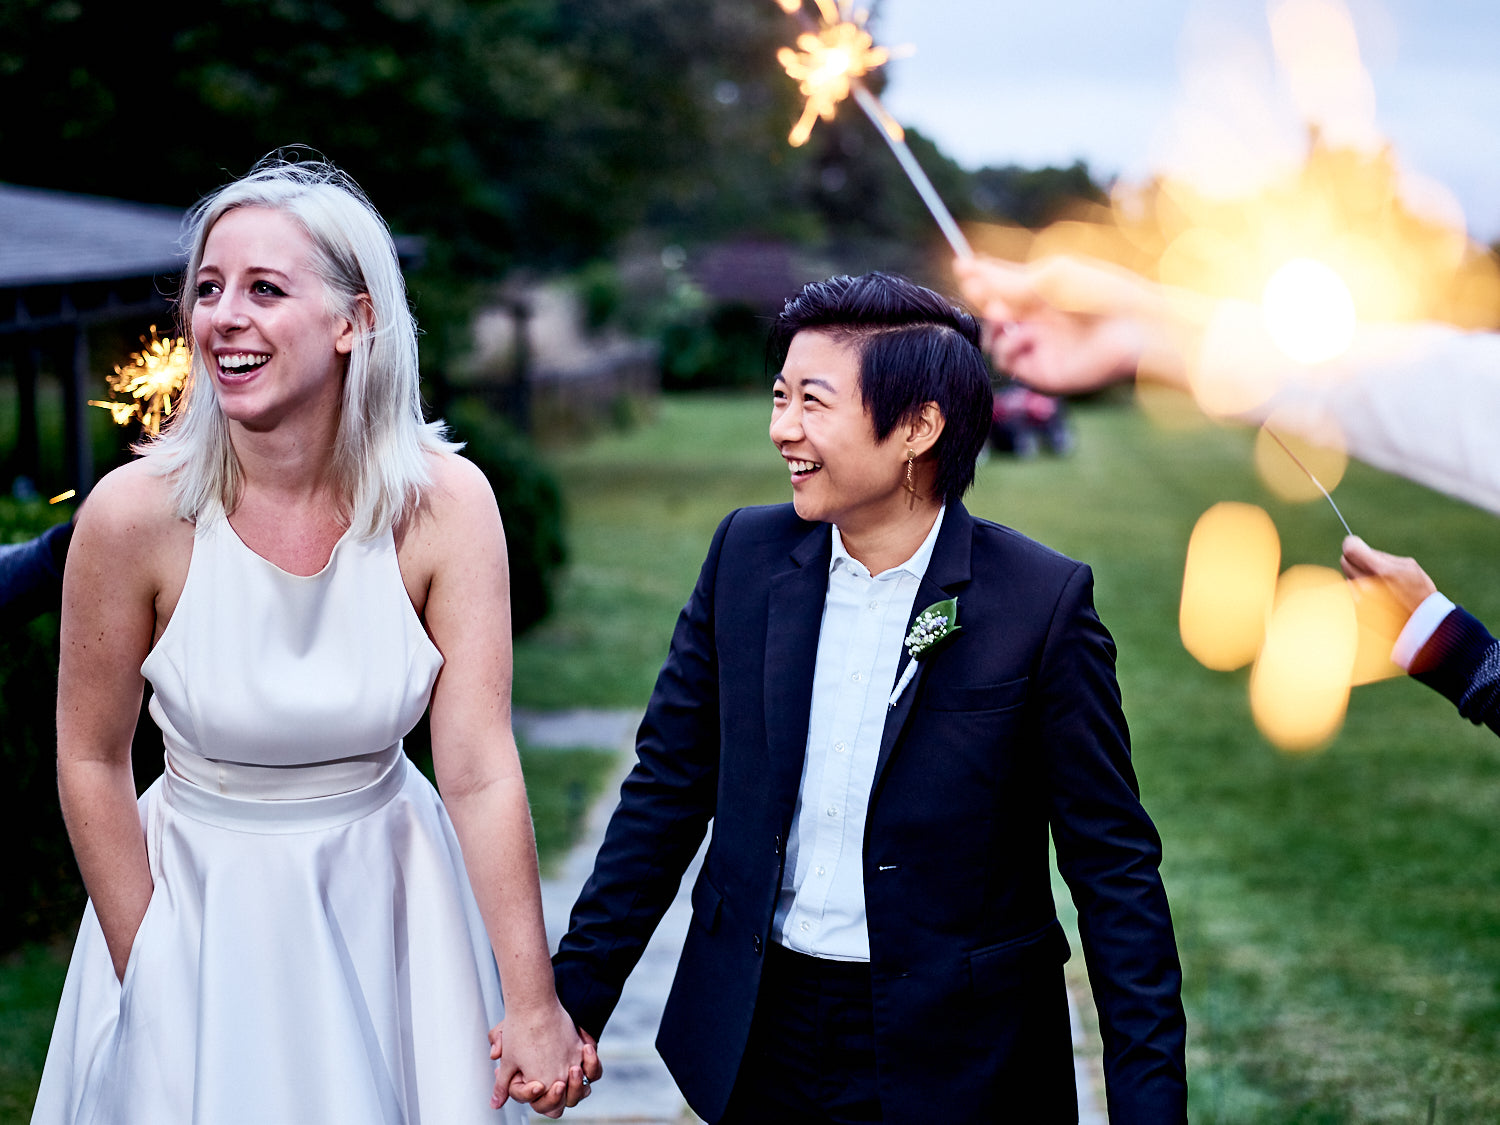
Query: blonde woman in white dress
[(290, 926)]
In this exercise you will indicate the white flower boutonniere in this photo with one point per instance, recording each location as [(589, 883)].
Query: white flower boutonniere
[(934, 627)]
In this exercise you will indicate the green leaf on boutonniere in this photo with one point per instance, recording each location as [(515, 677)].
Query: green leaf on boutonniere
[(934, 627)]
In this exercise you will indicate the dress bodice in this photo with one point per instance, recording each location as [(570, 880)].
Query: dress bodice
[(262, 667)]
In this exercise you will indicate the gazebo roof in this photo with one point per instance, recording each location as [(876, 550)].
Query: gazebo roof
[(56, 238)]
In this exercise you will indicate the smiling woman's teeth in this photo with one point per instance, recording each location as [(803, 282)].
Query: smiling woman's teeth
[(242, 361), (802, 466)]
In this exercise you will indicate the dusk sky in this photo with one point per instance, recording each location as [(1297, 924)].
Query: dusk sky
[(1002, 82)]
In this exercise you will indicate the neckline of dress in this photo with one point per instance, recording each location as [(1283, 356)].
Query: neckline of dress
[(332, 554)]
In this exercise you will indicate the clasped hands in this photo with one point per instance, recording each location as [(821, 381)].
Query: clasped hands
[(512, 1083)]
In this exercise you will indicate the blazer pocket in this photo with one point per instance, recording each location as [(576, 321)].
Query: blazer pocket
[(939, 695), (998, 968), (707, 902)]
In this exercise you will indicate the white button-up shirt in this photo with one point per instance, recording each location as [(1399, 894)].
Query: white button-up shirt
[(821, 909)]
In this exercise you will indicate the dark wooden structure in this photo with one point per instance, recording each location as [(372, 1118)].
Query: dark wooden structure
[(67, 263)]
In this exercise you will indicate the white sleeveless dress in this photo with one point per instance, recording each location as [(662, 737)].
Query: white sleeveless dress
[(312, 951)]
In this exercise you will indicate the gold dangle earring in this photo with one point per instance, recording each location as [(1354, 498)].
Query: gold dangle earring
[(911, 474)]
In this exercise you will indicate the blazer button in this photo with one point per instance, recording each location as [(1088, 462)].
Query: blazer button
[(776, 845), (755, 942)]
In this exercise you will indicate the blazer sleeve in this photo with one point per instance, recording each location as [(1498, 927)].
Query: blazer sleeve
[(1461, 660), (1109, 853), (31, 574), (665, 806)]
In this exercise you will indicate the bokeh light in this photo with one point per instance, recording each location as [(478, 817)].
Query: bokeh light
[(1381, 618), (1275, 234), (1308, 311), (1299, 688), (1228, 585)]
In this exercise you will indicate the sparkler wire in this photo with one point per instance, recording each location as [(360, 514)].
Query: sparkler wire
[(875, 112), (1310, 476)]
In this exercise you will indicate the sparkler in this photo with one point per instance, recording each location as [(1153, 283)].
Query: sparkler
[(830, 64), (1310, 476), (149, 384)]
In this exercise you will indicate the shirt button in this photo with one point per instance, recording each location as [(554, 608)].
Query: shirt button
[(833, 810), (857, 677), (819, 869), (874, 605), (806, 926), (839, 747)]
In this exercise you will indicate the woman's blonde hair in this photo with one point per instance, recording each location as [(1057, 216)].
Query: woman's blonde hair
[(380, 452)]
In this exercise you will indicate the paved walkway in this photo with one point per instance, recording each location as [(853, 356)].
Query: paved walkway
[(636, 1088)]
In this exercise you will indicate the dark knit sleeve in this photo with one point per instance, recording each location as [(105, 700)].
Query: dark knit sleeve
[(1461, 660), (31, 574)]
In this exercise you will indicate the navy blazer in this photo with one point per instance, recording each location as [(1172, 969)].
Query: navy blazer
[(1011, 729)]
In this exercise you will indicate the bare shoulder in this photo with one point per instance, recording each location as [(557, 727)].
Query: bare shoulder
[(460, 501), (131, 505), (130, 548), (458, 521), (458, 483)]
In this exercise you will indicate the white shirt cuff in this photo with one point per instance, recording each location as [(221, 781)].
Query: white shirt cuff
[(1419, 628)]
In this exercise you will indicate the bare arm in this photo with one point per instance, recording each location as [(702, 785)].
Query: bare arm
[(109, 615), (479, 774)]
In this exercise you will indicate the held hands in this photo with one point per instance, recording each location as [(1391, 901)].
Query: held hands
[(512, 1070)]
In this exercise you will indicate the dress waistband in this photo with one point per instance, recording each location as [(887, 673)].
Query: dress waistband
[(278, 783), (248, 797)]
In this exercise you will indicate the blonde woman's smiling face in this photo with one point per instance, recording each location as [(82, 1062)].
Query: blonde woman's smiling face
[(261, 320)]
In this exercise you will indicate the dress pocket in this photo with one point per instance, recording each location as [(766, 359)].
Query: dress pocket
[(152, 824)]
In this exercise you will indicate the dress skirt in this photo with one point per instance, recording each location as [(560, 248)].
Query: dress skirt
[(317, 960)]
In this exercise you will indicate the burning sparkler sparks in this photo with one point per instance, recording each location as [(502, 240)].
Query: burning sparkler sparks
[(146, 388), (829, 64)]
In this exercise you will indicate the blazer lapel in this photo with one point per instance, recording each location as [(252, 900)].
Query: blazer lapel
[(793, 620), (947, 573)]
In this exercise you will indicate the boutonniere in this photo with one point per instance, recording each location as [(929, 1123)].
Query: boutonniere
[(934, 627)]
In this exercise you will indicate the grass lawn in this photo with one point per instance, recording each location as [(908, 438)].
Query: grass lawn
[(1337, 911)]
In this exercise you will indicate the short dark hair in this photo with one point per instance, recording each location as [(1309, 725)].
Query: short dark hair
[(914, 347)]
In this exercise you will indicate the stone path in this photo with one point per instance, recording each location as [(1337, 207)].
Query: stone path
[(637, 1090)]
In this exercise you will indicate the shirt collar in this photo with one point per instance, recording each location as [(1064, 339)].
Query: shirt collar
[(916, 566)]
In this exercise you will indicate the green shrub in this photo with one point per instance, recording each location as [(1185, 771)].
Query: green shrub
[(719, 347), (40, 891), (530, 503)]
